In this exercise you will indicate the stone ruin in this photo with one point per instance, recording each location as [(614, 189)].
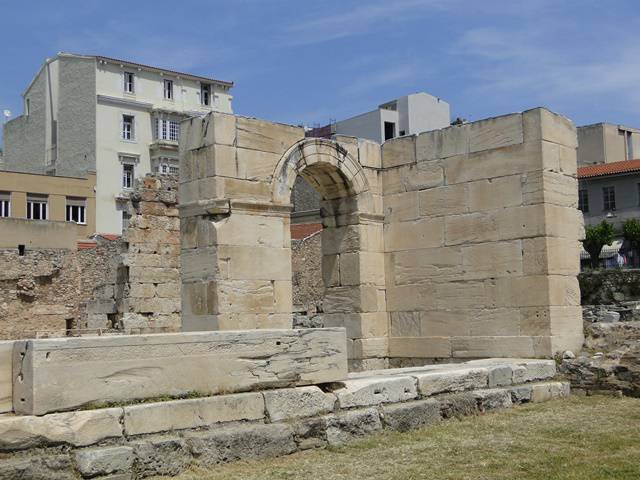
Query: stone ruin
[(457, 243)]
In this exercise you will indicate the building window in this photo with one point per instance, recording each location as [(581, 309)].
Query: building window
[(165, 165), (167, 129), (27, 107), (127, 175), (629, 140), (583, 200), (205, 94), (77, 210), (37, 206), (168, 89), (609, 198), (5, 204), (389, 130), (129, 82), (126, 217), (128, 131)]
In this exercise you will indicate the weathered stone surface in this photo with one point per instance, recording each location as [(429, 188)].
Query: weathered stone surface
[(233, 443), (103, 461), (456, 405), (432, 383), (493, 399), (161, 456), (311, 433), (288, 403), (6, 379), (500, 375), (524, 370), (521, 394), (362, 392), (411, 415), (548, 391), (52, 467), (192, 413), (351, 425), (74, 428), (129, 367)]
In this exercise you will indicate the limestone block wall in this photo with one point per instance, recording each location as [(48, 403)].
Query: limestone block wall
[(481, 239), (236, 261)]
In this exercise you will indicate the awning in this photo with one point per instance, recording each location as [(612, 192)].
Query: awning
[(608, 251)]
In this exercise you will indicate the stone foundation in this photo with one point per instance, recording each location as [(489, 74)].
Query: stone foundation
[(165, 438)]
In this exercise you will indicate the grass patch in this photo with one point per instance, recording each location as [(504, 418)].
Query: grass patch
[(581, 438)]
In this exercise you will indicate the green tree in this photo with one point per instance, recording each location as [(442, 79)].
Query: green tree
[(596, 237), (631, 232)]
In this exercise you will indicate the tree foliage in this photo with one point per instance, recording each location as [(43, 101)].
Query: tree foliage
[(631, 232), (596, 237)]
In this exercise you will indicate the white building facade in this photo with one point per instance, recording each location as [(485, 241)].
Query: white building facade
[(120, 119), (408, 115)]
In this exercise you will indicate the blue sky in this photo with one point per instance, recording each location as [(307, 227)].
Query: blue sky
[(313, 61)]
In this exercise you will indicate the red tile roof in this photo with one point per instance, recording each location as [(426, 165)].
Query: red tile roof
[(602, 169), (86, 244)]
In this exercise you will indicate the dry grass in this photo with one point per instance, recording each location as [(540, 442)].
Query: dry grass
[(579, 438)]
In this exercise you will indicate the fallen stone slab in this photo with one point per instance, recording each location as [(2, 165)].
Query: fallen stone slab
[(123, 368), (73, 428)]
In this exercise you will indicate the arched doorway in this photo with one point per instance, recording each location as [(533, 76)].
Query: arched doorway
[(352, 240)]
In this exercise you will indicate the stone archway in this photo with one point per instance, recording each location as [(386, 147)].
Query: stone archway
[(352, 243), (236, 240)]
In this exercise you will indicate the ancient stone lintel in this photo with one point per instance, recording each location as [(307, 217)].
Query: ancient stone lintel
[(117, 369)]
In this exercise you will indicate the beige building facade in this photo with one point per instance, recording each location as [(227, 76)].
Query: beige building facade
[(118, 118), (455, 243), (43, 211)]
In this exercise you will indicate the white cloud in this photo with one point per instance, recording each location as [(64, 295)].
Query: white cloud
[(361, 19), (545, 66)]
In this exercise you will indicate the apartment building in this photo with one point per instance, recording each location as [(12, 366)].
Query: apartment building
[(408, 115), (44, 211), (118, 118)]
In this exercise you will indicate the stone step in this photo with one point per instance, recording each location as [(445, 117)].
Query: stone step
[(400, 384), (207, 437)]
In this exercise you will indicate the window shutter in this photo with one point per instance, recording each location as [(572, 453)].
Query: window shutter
[(120, 82), (121, 127), (135, 129), (137, 84)]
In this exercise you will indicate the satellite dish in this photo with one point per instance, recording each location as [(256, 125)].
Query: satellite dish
[(7, 113)]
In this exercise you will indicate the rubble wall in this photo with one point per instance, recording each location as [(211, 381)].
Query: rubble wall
[(45, 291), (482, 239), (609, 287), (129, 284)]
